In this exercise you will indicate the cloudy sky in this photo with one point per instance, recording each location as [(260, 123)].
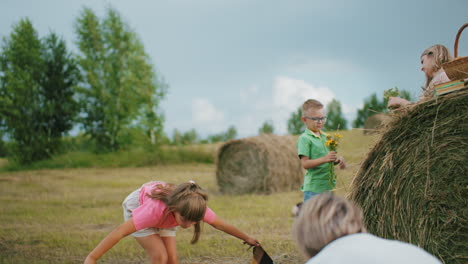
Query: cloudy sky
[(242, 62)]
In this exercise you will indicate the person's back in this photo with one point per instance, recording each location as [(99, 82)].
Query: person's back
[(364, 248), (330, 230)]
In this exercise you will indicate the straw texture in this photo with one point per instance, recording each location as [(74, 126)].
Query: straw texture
[(262, 164), (374, 123), (413, 185)]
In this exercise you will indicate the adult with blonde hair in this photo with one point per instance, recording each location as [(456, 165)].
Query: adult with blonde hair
[(431, 61), (330, 229)]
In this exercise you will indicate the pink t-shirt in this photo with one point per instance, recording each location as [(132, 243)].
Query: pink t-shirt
[(151, 212)]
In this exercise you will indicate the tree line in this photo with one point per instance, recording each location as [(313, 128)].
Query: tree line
[(109, 90)]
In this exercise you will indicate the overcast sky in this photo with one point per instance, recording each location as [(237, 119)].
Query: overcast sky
[(242, 62)]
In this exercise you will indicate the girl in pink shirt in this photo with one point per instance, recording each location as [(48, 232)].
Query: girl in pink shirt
[(152, 213)]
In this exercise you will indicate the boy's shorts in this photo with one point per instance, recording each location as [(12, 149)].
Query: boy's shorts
[(133, 201)]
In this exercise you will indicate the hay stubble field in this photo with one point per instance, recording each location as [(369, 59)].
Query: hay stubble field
[(58, 216)]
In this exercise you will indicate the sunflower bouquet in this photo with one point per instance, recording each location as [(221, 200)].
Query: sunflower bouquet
[(332, 144), (332, 141)]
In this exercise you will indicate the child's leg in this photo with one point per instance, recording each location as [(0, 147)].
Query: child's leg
[(154, 247), (171, 248)]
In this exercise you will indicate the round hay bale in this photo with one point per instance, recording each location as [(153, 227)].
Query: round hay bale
[(262, 164), (413, 185), (375, 123)]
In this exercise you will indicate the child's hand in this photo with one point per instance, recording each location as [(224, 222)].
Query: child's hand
[(397, 102), (341, 161), (331, 156), (252, 242)]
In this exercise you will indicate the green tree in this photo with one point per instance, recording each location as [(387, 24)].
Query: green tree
[(120, 85), (176, 137), (405, 94), (266, 128), (33, 87), (295, 124), (190, 137), (372, 106), (335, 118), (20, 67), (231, 133), (216, 138), (61, 75)]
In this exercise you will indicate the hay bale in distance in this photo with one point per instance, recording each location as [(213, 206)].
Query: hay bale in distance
[(262, 164), (413, 185), (375, 123)]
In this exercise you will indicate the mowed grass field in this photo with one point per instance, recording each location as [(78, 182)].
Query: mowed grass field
[(59, 216)]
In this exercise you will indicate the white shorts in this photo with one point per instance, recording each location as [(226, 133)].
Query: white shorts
[(133, 201)]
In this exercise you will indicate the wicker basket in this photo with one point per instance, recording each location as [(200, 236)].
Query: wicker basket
[(458, 68)]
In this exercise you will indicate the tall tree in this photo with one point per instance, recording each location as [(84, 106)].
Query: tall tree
[(335, 118), (372, 106), (190, 137), (176, 137), (231, 133), (59, 80), (266, 128), (295, 124), (21, 95), (120, 84)]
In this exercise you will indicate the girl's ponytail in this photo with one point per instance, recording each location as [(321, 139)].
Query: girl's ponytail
[(189, 200)]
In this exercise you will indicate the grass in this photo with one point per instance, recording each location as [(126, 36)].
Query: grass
[(59, 215), (137, 157)]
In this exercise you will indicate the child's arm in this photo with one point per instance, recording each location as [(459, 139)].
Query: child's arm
[(110, 240), (220, 224), (396, 102), (312, 163)]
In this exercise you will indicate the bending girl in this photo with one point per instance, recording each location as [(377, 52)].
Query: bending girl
[(152, 214)]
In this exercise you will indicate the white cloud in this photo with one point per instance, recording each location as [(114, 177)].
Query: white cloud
[(207, 116), (348, 109), (289, 94), (350, 112), (248, 93)]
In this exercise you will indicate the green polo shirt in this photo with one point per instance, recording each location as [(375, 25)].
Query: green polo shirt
[(316, 179)]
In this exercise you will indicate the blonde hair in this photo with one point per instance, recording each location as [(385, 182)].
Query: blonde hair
[(187, 199), (311, 104), (440, 55), (324, 218)]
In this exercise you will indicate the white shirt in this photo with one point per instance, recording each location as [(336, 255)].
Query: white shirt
[(439, 77), (363, 248)]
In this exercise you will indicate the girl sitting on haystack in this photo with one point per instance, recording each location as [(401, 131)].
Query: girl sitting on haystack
[(431, 60)]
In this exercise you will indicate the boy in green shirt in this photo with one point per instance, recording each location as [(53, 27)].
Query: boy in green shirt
[(313, 153)]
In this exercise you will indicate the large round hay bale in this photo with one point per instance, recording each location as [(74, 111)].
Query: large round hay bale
[(375, 123), (413, 185), (262, 164)]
